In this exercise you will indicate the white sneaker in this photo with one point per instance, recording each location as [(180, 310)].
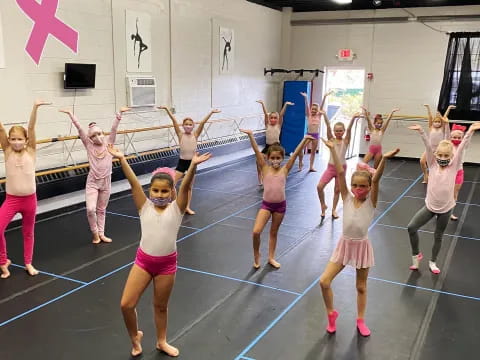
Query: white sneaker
[(416, 261), (433, 267)]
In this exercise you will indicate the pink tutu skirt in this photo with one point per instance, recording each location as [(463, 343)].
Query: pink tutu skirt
[(354, 252)]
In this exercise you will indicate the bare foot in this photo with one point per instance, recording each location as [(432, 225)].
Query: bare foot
[(312, 170), (189, 211), (324, 208), (256, 261), (425, 180), (274, 263), (137, 344), (105, 239), (334, 215), (168, 349), (4, 268), (31, 270)]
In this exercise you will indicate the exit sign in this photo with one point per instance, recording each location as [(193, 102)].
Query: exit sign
[(345, 55)]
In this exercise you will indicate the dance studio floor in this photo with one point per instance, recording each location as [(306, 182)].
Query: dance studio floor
[(223, 310)]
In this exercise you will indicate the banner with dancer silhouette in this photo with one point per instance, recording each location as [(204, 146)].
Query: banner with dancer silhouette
[(2, 48), (138, 42), (227, 50)]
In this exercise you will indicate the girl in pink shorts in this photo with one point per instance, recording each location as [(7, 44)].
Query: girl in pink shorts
[(160, 219), (354, 247), (456, 137), (274, 203), (341, 145), (377, 129)]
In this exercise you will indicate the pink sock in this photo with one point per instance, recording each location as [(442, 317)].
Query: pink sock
[(362, 328), (332, 328)]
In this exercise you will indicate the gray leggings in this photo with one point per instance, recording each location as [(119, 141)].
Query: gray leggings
[(421, 218)]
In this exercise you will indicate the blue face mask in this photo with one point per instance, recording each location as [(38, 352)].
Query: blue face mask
[(160, 202)]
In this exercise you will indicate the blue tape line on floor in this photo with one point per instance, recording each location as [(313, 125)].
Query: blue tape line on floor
[(429, 232), (53, 275)]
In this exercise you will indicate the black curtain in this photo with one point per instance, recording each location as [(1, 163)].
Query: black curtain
[(461, 77)]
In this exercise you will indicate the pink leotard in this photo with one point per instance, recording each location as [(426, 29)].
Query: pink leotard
[(274, 186), (188, 146)]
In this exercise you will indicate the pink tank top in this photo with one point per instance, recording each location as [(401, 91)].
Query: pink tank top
[(20, 173), (341, 150), (376, 137), (357, 220), (188, 146), (314, 124), (274, 187), (272, 134)]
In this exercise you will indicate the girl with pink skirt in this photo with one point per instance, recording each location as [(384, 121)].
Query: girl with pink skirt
[(354, 247)]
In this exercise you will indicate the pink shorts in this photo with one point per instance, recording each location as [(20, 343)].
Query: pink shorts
[(280, 207), (459, 178), (331, 173), (157, 265), (375, 149)]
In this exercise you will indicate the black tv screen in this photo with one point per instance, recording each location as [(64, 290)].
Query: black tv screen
[(79, 76)]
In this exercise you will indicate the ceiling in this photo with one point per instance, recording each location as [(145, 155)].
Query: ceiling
[(329, 5)]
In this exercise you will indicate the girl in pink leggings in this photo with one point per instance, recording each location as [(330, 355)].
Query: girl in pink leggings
[(377, 129), (354, 247), (274, 203), (456, 137), (19, 149), (341, 146), (99, 180), (160, 220)]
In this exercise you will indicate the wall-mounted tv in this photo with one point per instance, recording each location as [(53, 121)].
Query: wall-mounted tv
[(79, 76)]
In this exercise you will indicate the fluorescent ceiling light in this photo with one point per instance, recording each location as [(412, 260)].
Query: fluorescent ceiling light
[(343, 2)]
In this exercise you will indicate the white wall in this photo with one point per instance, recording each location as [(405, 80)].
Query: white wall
[(407, 60), (187, 82)]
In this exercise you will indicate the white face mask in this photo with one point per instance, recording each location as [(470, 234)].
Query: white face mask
[(188, 129), (275, 163)]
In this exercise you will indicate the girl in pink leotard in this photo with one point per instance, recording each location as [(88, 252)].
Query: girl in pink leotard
[(273, 128), (354, 247), (19, 150), (99, 179), (456, 137), (188, 145), (274, 203), (377, 129), (341, 146), (156, 260), (438, 130)]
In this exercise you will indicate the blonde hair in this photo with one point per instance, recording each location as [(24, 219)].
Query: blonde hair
[(188, 119), (19, 129), (274, 112), (365, 174), (459, 132), (447, 144), (339, 123)]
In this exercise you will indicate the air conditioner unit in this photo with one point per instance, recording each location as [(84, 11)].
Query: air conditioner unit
[(141, 91)]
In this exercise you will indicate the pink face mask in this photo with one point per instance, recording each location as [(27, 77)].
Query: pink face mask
[(18, 146), (360, 193), (97, 139), (188, 129), (456, 142)]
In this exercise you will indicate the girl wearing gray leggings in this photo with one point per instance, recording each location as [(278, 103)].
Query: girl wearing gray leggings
[(440, 201)]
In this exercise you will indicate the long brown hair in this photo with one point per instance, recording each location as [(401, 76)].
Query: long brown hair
[(19, 129)]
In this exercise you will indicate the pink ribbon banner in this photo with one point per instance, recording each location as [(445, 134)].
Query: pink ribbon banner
[(45, 23)]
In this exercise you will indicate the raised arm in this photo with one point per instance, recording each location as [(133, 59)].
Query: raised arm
[(378, 174), (307, 104), (366, 115), (282, 112), (116, 122), (348, 134), (428, 149), (182, 196), (339, 167), (258, 154), (138, 195), (32, 139), (446, 127), (3, 138), (324, 99), (200, 127), (389, 118), (466, 140), (265, 112), (81, 132), (429, 115), (327, 124), (447, 112), (174, 121), (297, 152)]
